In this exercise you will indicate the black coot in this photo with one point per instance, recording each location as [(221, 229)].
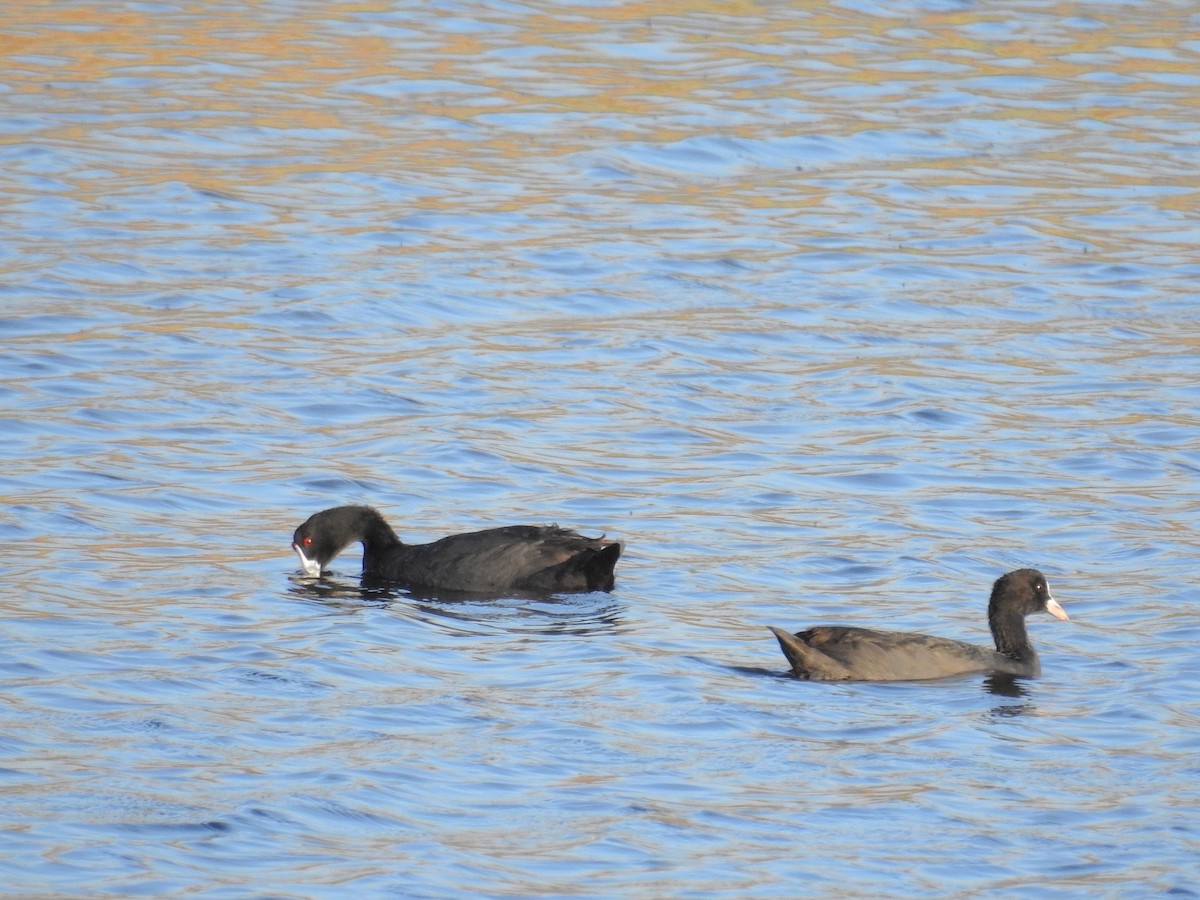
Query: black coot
[(836, 653), (528, 558)]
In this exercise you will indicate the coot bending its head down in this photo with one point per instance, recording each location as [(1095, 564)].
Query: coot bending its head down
[(837, 653), (527, 558)]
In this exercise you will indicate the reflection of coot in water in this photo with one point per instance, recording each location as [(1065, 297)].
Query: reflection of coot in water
[(520, 613), (1004, 685), (836, 653), (529, 558)]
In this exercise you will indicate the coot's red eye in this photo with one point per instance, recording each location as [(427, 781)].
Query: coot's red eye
[(308, 542)]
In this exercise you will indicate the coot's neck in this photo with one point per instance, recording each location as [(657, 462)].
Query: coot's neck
[(1008, 630), (377, 537)]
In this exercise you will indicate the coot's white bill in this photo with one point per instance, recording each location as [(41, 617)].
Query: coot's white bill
[(1055, 609), (311, 567)]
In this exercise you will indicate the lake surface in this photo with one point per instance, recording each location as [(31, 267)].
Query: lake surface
[(831, 314)]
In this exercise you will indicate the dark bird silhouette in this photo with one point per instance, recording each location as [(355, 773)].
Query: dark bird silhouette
[(841, 653), (539, 559)]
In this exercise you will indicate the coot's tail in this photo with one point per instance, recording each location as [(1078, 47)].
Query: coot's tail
[(597, 566), (808, 662)]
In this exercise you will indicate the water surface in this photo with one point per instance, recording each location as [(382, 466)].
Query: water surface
[(832, 314)]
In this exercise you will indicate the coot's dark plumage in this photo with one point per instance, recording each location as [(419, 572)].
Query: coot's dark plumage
[(526, 558), (836, 653)]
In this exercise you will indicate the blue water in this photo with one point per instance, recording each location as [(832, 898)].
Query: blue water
[(830, 314)]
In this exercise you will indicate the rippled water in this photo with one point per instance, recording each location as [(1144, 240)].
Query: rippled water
[(831, 314)]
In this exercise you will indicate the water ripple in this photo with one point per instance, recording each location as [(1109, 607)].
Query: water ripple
[(828, 314)]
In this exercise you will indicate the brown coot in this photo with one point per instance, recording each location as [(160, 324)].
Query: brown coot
[(528, 558), (837, 653)]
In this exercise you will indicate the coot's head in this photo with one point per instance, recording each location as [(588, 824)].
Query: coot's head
[(1026, 592), (304, 543), (322, 537), (329, 532)]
